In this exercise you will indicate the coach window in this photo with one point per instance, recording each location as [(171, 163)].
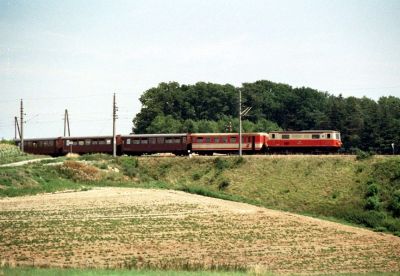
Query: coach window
[(152, 140), (81, 142), (94, 142), (315, 136), (328, 136), (128, 141), (102, 142), (144, 141), (136, 141), (224, 140), (183, 140), (285, 136), (160, 140), (233, 139), (34, 144), (273, 136), (208, 139), (108, 141), (87, 142), (244, 139), (199, 139), (51, 143), (216, 140)]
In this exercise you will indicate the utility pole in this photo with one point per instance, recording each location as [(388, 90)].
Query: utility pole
[(240, 122), (22, 126), (16, 126), (66, 123), (115, 108)]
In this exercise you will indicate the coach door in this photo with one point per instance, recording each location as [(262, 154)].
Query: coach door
[(253, 143)]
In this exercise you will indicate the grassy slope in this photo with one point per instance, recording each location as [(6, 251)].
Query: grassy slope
[(10, 154), (333, 186)]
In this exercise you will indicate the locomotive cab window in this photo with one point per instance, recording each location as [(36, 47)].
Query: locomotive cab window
[(273, 135), (328, 136)]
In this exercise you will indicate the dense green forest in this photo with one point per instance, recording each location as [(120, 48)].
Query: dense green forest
[(207, 107)]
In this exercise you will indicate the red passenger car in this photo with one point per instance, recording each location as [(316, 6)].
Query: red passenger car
[(90, 144), (208, 143), (137, 144), (45, 146), (307, 141)]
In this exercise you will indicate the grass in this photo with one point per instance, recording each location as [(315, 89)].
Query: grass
[(96, 272), (324, 186), (10, 154), (92, 272)]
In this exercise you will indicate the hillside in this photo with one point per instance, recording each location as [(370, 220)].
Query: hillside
[(148, 228), (364, 192)]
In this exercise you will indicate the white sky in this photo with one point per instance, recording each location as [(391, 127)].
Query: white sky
[(75, 54)]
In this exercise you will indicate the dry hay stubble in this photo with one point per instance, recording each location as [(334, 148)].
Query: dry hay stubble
[(122, 227)]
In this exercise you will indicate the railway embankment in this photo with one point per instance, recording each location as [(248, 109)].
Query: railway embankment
[(364, 192)]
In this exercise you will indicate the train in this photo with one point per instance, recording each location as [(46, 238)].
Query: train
[(276, 142)]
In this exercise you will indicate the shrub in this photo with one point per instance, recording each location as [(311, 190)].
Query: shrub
[(372, 190), (372, 203), (196, 176), (221, 164), (362, 155), (129, 165), (223, 184), (79, 171), (371, 219), (394, 205)]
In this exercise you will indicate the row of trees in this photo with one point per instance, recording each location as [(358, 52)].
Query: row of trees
[(207, 107)]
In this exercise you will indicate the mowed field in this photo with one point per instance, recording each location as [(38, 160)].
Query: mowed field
[(164, 229)]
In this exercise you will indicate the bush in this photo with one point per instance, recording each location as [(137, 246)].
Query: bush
[(362, 155), (79, 172), (223, 184), (221, 164), (372, 190), (371, 219), (394, 205), (129, 165), (372, 203)]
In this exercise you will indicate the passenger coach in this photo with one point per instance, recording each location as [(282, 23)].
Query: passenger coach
[(208, 143)]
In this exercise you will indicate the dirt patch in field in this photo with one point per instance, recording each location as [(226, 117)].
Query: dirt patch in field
[(126, 228)]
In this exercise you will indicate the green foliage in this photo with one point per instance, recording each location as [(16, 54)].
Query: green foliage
[(372, 190), (129, 165), (372, 203), (394, 205), (362, 155), (223, 184)]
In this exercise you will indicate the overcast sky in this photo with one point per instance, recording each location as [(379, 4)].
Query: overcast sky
[(75, 54)]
